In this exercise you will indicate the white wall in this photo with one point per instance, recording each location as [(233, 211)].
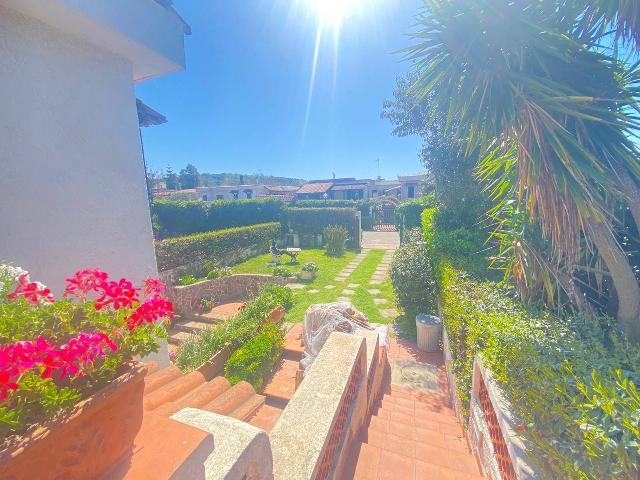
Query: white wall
[(72, 187)]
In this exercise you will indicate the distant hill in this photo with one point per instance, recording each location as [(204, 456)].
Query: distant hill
[(215, 179)]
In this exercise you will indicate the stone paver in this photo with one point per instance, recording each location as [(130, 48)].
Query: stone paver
[(343, 299), (389, 313), (380, 301), (314, 290), (353, 285), (374, 291), (347, 291), (376, 282), (296, 286), (329, 287)]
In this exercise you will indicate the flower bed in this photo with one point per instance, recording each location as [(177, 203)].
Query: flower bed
[(55, 353)]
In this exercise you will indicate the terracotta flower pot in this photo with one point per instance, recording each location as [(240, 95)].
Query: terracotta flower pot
[(86, 442), (307, 275), (275, 315)]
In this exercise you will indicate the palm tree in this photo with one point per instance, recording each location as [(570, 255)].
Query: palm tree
[(529, 79)]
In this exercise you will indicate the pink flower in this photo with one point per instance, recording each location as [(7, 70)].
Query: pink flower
[(153, 285), (32, 291), (88, 280), (118, 294), (150, 311)]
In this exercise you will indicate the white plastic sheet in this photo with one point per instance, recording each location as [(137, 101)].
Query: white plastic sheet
[(322, 320)]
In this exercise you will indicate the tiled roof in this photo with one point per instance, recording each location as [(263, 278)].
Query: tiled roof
[(350, 187), (315, 187), (147, 116)]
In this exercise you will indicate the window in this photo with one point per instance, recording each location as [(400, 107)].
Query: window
[(248, 193), (219, 197), (411, 191), (204, 198), (235, 194)]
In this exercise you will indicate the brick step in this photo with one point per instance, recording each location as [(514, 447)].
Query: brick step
[(282, 384), (248, 408), (412, 431), (162, 377), (439, 401), (268, 414), (192, 326), (173, 390), (292, 355), (230, 399), (452, 464), (418, 413), (430, 436), (177, 337), (196, 398)]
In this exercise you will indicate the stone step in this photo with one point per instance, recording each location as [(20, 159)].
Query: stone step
[(178, 337), (231, 399), (248, 408), (192, 326), (196, 398)]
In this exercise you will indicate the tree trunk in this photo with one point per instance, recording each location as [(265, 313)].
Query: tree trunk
[(623, 278), (631, 192)]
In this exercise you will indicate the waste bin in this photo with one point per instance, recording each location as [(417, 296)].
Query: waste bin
[(429, 332)]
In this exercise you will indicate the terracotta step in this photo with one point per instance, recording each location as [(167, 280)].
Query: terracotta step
[(192, 326), (173, 390), (202, 395), (248, 408), (267, 415), (293, 344), (178, 337), (428, 415), (282, 384), (222, 313), (230, 399), (159, 378), (152, 367)]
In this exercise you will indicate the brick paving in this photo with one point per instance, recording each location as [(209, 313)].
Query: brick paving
[(413, 434)]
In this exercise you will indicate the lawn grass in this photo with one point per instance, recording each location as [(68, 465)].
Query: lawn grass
[(329, 268)]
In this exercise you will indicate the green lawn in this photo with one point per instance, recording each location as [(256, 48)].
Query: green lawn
[(329, 268)]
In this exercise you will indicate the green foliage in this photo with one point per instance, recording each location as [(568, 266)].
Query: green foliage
[(335, 237), (219, 245), (408, 213), (176, 218), (219, 273), (313, 221), (280, 271), (310, 267), (413, 277), (570, 380), (200, 347), (188, 280), (254, 360)]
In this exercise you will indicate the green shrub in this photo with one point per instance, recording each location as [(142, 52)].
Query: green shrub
[(219, 272), (335, 237), (177, 218), (571, 381), (313, 221), (221, 246), (282, 272), (200, 347), (413, 277), (310, 267), (188, 280), (326, 203), (254, 360), (408, 213)]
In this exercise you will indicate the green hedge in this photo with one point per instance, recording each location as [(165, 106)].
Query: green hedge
[(408, 213), (313, 221), (326, 203), (174, 218), (254, 360), (220, 247)]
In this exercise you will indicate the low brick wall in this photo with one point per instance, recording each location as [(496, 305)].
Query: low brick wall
[(234, 288)]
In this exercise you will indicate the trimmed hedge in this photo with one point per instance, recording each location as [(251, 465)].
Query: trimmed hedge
[(222, 247), (408, 213), (313, 221), (570, 380), (174, 218), (327, 203)]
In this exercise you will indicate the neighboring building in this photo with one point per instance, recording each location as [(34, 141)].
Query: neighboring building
[(384, 188), (285, 193), (406, 187), (231, 192), (72, 190), (315, 190), (412, 186)]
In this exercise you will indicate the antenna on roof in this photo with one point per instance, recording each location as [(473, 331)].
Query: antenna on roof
[(334, 175)]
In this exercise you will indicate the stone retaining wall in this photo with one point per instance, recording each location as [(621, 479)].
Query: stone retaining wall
[(234, 288)]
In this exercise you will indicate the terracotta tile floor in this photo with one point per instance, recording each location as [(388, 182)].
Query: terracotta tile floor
[(413, 434)]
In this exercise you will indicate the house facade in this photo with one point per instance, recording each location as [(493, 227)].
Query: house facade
[(73, 192), (405, 188)]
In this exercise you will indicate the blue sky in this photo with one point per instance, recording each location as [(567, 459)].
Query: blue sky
[(241, 104)]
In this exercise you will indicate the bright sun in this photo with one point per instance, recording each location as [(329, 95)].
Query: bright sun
[(332, 12)]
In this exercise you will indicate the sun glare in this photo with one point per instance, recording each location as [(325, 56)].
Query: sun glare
[(331, 12)]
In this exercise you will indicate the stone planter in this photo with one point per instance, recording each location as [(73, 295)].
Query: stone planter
[(307, 276), (275, 315), (85, 443)]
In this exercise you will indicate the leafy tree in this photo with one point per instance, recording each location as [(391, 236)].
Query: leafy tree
[(189, 177), (173, 182), (535, 88)]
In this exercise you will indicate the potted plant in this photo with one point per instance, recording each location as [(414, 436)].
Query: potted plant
[(309, 271), (70, 388)]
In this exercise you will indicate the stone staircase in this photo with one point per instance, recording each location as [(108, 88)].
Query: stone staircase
[(184, 327), (282, 384), (168, 391)]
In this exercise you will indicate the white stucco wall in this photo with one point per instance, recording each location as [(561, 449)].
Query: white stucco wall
[(72, 187)]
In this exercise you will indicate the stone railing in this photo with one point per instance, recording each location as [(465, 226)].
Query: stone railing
[(234, 288), (313, 436)]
